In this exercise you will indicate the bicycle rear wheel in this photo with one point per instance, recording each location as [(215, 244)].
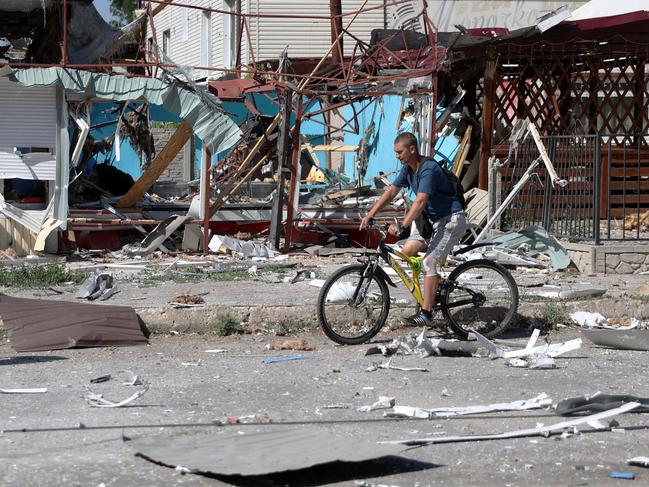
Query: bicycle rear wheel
[(350, 321), (479, 295)]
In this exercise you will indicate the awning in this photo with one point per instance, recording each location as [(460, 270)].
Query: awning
[(216, 130), (598, 14)]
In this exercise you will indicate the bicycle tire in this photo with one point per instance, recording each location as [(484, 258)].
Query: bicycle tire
[(326, 319), (493, 321)]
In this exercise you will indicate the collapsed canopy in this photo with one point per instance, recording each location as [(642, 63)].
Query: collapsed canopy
[(216, 130)]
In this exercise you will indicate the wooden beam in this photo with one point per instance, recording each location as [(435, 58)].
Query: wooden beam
[(488, 105), (159, 8), (157, 167), (462, 152)]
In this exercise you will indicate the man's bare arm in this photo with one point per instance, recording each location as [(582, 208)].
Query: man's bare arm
[(387, 196)]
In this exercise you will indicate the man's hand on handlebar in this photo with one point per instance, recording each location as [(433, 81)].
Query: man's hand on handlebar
[(395, 229)]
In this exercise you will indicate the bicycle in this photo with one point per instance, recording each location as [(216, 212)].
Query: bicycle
[(478, 295)]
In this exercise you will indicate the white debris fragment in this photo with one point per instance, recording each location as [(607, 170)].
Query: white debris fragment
[(639, 461), (535, 361), (130, 378), (584, 318), (543, 431), (538, 402), (384, 402), (219, 243), (388, 365), (216, 350), (98, 400)]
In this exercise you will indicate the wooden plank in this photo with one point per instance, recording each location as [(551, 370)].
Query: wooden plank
[(462, 152), (157, 167), (488, 110)]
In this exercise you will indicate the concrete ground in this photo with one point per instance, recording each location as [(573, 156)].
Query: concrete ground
[(56, 438)]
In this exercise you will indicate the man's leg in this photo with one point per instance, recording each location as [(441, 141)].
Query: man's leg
[(447, 233), (415, 243)]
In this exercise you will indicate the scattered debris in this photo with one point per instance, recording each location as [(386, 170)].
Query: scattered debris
[(35, 390), (388, 365), (638, 462), (300, 275), (221, 243), (596, 320), (186, 298), (272, 451), (251, 418), (538, 402), (37, 324), (216, 350), (297, 344), (556, 292), (537, 431), (98, 400), (97, 286), (424, 347), (540, 357), (636, 221), (337, 406), (384, 402), (598, 402), (276, 360)]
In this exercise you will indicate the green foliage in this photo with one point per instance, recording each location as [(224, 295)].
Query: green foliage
[(36, 276), (551, 314), (224, 324), (123, 11)]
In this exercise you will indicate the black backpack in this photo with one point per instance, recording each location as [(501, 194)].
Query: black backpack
[(458, 190)]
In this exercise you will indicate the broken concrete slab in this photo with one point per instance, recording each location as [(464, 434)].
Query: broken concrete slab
[(37, 324), (257, 453)]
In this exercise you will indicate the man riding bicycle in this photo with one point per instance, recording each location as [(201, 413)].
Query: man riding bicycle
[(436, 199)]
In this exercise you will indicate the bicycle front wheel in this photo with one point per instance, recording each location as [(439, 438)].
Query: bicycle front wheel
[(353, 307), (479, 295)]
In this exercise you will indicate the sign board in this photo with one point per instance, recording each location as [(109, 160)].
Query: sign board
[(474, 14)]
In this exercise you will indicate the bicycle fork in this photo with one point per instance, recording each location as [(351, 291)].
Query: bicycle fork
[(364, 283)]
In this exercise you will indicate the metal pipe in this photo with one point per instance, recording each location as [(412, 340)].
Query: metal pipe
[(294, 187), (64, 47), (206, 190), (510, 197), (336, 10)]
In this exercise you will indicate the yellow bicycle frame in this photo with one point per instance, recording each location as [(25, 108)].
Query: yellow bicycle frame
[(415, 265)]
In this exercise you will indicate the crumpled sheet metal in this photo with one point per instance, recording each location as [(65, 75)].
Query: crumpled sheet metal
[(38, 324), (97, 286), (536, 241), (538, 402), (598, 402), (629, 339), (215, 129), (248, 249), (257, 453), (97, 400), (424, 347)]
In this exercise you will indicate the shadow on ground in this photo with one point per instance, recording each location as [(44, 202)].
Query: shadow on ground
[(331, 473), (30, 359)]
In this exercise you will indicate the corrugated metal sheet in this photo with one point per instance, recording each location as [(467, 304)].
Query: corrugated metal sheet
[(307, 37), (28, 116), (258, 453), (31, 166)]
